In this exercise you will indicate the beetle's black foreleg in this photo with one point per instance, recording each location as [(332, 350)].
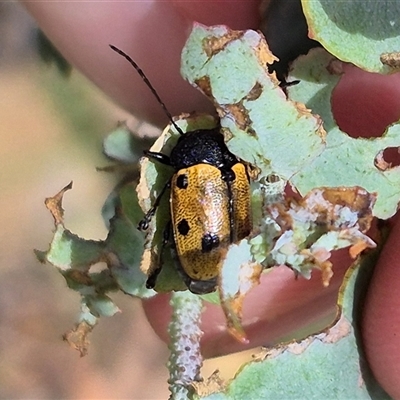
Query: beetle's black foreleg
[(152, 279), (144, 223), (160, 157)]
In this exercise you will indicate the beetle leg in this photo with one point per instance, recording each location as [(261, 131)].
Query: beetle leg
[(152, 279), (144, 223), (160, 157)]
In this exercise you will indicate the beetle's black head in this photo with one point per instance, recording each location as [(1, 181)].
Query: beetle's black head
[(203, 146)]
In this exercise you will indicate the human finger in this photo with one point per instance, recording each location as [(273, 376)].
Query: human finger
[(152, 32)]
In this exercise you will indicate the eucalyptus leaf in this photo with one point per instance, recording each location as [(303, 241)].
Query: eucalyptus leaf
[(356, 31), (326, 365), (346, 161)]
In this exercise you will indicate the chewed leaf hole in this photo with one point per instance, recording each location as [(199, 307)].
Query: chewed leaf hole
[(98, 267), (388, 158)]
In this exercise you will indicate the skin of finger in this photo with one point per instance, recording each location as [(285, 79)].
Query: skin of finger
[(211, 12), (280, 305), (365, 105), (381, 321), (152, 32)]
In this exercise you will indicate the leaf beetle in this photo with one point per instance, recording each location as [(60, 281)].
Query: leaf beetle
[(209, 201)]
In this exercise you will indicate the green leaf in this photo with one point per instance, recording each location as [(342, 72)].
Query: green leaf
[(68, 250), (124, 246), (356, 31), (237, 277), (346, 161), (121, 254), (123, 146), (101, 305), (326, 365), (264, 128)]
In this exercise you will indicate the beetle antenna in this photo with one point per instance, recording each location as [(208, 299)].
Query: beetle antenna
[(147, 82)]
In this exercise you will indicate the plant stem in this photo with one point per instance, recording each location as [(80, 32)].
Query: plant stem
[(184, 330)]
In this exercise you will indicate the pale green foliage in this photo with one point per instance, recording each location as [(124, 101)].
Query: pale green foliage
[(327, 365), (345, 161), (276, 137), (356, 31), (74, 257)]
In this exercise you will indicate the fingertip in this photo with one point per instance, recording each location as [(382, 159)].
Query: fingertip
[(242, 14), (151, 32), (381, 321), (365, 103)]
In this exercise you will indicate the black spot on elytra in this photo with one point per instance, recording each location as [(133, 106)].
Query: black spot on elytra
[(208, 242), (183, 227), (182, 181)]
